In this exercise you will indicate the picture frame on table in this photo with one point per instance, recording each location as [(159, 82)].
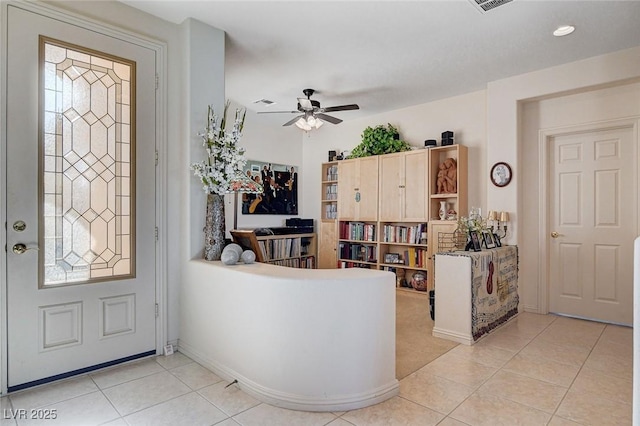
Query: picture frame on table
[(488, 239), (475, 241), (496, 238)]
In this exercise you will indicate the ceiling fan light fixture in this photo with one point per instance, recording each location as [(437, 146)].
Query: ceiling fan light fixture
[(302, 124), (311, 121), (318, 123)]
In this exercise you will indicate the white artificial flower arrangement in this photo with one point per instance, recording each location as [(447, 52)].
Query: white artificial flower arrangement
[(225, 159)]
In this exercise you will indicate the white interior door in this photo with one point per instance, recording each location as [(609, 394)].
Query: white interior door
[(81, 189), (592, 224)]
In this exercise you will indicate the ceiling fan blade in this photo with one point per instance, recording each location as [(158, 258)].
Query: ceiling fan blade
[(329, 118), (342, 108), (277, 112), (293, 120), (305, 103)]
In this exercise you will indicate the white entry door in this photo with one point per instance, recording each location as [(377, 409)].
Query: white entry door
[(593, 224), (80, 199)]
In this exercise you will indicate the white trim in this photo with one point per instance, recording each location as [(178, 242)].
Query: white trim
[(3, 197), (292, 401), (544, 137), (464, 338), (160, 49)]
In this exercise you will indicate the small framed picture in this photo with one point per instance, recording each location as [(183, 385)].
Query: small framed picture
[(391, 258), (475, 241), (497, 240), (489, 241)]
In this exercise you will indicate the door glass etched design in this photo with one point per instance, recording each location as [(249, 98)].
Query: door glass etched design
[(87, 169)]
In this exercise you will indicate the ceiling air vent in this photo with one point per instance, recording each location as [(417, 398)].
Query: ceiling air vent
[(265, 102), (486, 5)]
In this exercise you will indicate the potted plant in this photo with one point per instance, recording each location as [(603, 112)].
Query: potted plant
[(379, 140)]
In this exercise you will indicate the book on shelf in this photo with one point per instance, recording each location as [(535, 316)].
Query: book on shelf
[(357, 231), (332, 172), (403, 234)]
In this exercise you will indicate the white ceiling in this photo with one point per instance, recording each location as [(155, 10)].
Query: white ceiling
[(388, 55)]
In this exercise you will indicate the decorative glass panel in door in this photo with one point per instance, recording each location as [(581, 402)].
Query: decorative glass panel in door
[(88, 165)]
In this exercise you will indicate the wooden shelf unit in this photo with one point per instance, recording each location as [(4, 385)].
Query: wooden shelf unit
[(327, 252), (291, 250), (396, 191), (457, 200)]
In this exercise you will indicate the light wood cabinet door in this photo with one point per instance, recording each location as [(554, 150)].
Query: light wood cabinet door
[(415, 202), (327, 249), (348, 182), (404, 188), (368, 187), (358, 194), (391, 191)]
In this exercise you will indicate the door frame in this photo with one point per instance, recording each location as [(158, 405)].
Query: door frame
[(544, 223), (160, 49)]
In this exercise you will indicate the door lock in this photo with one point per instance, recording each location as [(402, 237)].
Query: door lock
[(20, 248), (19, 226), (554, 234)]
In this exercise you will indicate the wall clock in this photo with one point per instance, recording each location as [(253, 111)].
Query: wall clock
[(500, 174)]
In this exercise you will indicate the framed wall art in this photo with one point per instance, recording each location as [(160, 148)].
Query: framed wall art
[(280, 183)]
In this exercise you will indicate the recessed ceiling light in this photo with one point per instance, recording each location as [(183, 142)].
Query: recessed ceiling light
[(564, 30)]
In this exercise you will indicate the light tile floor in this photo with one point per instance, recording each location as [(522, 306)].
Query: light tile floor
[(536, 370)]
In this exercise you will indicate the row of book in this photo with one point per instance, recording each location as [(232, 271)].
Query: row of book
[(331, 211), (280, 248), (303, 262), (332, 173), (415, 257), (404, 234), (345, 265), (358, 231), (331, 192), (363, 252)]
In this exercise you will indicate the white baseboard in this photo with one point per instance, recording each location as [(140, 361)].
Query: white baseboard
[(465, 339), (291, 401)]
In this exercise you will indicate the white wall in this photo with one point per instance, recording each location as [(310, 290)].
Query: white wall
[(464, 115), (503, 117)]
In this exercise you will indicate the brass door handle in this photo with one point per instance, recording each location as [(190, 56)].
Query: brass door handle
[(20, 248), (554, 234)]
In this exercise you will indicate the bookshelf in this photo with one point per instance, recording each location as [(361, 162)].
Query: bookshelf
[(291, 250)]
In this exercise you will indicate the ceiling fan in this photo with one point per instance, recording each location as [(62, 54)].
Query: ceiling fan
[(313, 115)]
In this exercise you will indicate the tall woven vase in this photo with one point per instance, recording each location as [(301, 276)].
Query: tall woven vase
[(214, 228)]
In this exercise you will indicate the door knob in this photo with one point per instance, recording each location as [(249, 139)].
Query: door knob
[(21, 248), (554, 234)]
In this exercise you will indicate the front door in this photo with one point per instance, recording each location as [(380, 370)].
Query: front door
[(80, 199), (592, 219)]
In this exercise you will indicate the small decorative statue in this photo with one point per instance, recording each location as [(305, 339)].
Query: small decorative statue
[(451, 166), (447, 180)]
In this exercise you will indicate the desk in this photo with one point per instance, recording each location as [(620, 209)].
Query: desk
[(477, 292)]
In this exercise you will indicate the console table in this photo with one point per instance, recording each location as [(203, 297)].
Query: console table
[(476, 292)]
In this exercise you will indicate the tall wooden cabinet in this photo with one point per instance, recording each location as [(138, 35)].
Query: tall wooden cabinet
[(387, 211)]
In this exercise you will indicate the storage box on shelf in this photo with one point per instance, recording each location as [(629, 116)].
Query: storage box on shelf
[(327, 256), (445, 185)]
